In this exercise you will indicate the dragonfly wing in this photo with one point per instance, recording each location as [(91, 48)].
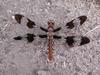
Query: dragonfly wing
[(19, 17), (77, 41), (46, 30), (57, 29), (18, 38), (43, 36), (56, 37), (71, 24), (30, 37)]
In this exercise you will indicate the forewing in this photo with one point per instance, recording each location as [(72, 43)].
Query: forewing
[(19, 17), (57, 29), (44, 29), (81, 19)]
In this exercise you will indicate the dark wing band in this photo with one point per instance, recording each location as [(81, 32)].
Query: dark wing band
[(18, 38), (46, 30), (71, 40), (56, 37), (57, 29), (30, 37), (18, 17), (43, 36), (84, 40)]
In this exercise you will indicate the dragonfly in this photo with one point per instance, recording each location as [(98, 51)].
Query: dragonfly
[(50, 31)]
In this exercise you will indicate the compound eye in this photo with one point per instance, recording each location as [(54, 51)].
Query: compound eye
[(48, 22), (52, 23)]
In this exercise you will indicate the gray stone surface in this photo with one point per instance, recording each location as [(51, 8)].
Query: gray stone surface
[(21, 58)]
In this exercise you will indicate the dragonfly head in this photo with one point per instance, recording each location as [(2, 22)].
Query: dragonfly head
[(50, 23)]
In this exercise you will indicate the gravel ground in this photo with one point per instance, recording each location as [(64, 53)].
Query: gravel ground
[(22, 58)]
